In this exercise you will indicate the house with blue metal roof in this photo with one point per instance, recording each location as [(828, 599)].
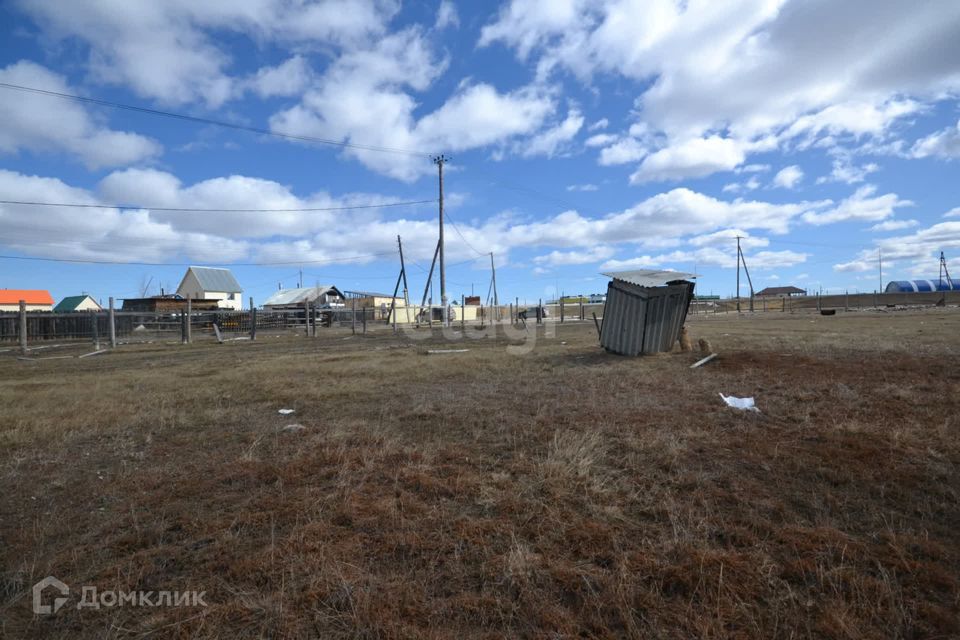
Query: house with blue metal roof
[(212, 283)]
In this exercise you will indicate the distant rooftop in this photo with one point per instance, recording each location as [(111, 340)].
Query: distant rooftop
[(781, 291), (366, 294), (216, 279), (299, 295), (649, 277), (30, 296)]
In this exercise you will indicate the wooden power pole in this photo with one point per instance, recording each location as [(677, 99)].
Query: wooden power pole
[(738, 274), (439, 161), (496, 300)]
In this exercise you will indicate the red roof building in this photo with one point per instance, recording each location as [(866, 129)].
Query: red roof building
[(36, 299)]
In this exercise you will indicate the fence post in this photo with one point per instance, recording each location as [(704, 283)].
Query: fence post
[(463, 314), (113, 326), (23, 327), (95, 316), (846, 301), (353, 317), (561, 309), (364, 318), (253, 320), (189, 320), (581, 308)]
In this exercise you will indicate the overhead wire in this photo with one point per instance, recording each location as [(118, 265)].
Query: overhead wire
[(194, 264), (210, 121), (457, 229), (214, 210)]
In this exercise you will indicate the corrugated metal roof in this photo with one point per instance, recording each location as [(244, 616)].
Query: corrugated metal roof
[(299, 295), (216, 279), (367, 294), (649, 277)]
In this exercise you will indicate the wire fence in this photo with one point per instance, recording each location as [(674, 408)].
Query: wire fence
[(223, 324)]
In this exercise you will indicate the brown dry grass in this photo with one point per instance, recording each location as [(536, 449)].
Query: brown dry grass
[(564, 493)]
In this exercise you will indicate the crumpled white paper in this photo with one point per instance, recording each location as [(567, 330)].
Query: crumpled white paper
[(285, 412), (745, 404)]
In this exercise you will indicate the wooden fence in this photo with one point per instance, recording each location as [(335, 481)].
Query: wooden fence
[(110, 327)]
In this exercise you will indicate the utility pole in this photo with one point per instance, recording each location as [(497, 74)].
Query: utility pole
[(300, 280), (439, 161), (402, 277), (496, 300), (429, 286), (403, 272), (880, 266), (944, 272), (742, 259), (738, 274)]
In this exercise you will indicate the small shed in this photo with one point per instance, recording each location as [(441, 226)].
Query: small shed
[(77, 303), (168, 304), (645, 311)]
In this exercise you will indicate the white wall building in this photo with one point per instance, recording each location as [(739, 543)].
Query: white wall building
[(212, 283)]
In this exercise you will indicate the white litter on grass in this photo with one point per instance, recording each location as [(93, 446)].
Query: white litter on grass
[(745, 404), (285, 412), (293, 427)]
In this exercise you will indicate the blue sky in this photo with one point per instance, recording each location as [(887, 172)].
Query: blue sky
[(584, 136)]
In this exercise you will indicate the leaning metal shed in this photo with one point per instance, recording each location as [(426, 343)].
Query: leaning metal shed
[(645, 311)]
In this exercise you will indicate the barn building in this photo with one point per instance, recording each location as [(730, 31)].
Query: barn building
[(212, 283), (36, 299)]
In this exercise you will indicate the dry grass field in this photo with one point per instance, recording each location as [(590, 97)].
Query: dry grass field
[(558, 494)]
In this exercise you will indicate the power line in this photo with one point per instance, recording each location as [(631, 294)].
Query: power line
[(209, 121), (457, 229), (194, 264), (207, 210)]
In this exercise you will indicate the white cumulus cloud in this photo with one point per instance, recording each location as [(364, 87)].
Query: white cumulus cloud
[(39, 123), (788, 177)]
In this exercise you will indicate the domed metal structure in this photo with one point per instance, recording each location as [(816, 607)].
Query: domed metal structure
[(923, 286)]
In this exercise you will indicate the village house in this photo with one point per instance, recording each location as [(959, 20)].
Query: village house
[(77, 303), (36, 299), (212, 283), (780, 292)]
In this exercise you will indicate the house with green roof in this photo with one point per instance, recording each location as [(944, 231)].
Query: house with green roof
[(77, 303)]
